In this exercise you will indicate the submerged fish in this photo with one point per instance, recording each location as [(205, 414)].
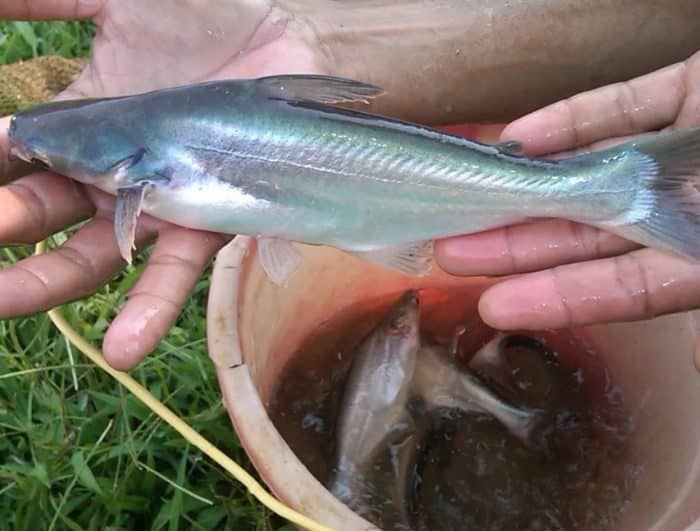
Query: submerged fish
[(493, 362), (275, 159), (442, 382), (381, 434), (374, 423)]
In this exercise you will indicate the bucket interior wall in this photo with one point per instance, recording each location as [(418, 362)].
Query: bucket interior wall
[(651, 361)]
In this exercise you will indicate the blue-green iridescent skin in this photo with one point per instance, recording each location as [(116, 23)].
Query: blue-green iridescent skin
[(235, 158)]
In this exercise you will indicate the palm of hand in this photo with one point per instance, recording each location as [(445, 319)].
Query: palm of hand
[(585, 275), (192, 42)]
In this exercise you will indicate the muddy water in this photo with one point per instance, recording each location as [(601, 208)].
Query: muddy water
[(472, 474)]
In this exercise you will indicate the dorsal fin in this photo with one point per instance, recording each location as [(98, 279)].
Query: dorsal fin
[(321, 89)]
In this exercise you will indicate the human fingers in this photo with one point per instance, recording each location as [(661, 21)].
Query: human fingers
[(526, 247), (50, 9), (177, 262), (79, 267), (646, 103), (40, 204), (689, 115), (637, 285)]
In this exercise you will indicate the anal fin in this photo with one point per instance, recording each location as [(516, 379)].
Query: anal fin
[(413, 259), (127, 210), (279, 258)]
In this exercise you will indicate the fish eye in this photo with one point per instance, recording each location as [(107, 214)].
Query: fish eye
[(38, 162)]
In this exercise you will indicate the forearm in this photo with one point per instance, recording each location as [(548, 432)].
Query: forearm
[(452, 61)]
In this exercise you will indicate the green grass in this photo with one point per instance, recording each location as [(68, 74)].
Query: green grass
[(76, 450), (23, 40)]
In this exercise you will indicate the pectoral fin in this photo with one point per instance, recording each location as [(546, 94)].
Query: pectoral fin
[(279, 258), (489, 355), (127, 210), (412, 259), (321, 89), (454, 341)]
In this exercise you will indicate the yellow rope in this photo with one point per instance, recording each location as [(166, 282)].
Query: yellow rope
[(178, 424)]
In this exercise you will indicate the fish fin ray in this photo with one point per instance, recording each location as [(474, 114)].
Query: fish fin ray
[(118, 169), (489, 355), (126, 213), (413, 259), (668, 165), (454, 340), (279, 258), (321, 89), (443, 383), (131, 160)]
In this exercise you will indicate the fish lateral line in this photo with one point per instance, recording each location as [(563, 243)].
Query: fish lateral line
[(644, 190)]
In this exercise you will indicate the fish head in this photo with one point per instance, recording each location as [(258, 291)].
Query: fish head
[(404, 317), (75, 138), (384, 364), (402, 337), (403, 328), (374, 403)]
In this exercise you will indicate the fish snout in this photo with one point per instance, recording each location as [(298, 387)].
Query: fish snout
[(411, 297), (13, 127), (405, 318), (16, 153), (12, 156), (25, 150), (24, 142)]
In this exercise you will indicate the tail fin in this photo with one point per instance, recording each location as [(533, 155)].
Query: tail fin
[(669, 169)]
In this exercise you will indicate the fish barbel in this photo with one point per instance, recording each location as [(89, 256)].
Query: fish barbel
[(277, 159)]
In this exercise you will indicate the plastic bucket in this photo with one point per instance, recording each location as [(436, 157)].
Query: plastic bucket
[(255, 326)]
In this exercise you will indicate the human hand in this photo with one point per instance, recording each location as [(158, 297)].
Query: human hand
[(193, 41), (570, 274), (133, 52)]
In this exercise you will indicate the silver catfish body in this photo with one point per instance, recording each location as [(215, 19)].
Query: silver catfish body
[(374, 423), (443, 382), (273, 158)]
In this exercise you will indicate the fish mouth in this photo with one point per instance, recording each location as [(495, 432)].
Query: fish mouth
[(16, 154), (404, 316), (18, 151)]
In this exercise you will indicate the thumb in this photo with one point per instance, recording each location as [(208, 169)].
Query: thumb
[(51, 9)]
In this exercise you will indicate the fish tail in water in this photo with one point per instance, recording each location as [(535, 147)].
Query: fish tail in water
[(522, 421), (666, 212)]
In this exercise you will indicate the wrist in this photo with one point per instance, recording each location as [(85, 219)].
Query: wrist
[(451, 61), (408, 48)]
